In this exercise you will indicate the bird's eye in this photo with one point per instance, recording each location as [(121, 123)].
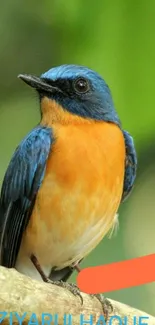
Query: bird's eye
[(81, 85)]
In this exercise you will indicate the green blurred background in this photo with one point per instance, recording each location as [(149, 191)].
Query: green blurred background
[(116, 38)]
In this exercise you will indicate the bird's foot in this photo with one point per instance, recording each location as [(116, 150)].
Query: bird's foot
[(38, 267), (69, 286), (106, 305)]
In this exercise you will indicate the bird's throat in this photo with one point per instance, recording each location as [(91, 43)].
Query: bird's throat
[(52, 113)]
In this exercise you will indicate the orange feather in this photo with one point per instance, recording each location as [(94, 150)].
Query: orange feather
[(81, 192)]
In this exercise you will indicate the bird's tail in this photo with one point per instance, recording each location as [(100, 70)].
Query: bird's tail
[(61, 275)]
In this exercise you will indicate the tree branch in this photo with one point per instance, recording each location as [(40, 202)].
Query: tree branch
[(21, 294)]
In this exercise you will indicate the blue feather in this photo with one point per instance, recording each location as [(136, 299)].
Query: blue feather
[(131, 165), (21, 183)]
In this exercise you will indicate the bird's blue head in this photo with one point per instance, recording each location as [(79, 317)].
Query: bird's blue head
[(77, 89)]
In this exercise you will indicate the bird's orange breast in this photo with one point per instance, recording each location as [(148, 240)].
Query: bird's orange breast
[(80, 195)]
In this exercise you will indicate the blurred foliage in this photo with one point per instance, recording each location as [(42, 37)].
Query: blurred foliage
[(117, 39)]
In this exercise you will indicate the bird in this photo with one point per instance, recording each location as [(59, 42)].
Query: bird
[(67, 178)]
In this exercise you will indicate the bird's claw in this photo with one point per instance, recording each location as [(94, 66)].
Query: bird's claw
[(106, 305), (69, 286)]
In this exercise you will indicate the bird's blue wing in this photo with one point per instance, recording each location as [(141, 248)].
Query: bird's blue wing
[(21, 183), (130, 165)]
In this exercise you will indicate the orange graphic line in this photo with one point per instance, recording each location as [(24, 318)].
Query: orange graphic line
[(116, 276)]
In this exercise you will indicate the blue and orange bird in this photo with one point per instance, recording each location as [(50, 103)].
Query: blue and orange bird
[(67, 178)]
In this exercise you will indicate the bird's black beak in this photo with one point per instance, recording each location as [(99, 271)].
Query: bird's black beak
[(38, 83)]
